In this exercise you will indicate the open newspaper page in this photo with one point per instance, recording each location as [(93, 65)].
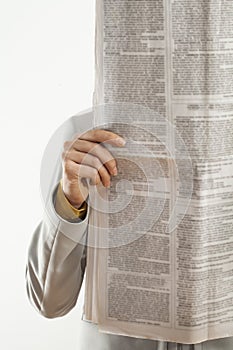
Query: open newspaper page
[(160, 265)]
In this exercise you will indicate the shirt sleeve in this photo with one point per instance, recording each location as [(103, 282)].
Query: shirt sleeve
[(56, 258)]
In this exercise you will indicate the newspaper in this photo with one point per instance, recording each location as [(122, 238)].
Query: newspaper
[(168, 275)]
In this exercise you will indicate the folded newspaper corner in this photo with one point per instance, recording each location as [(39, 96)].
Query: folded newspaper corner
[(160, 243)]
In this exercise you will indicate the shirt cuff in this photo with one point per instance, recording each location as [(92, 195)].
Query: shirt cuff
[(65, 209)]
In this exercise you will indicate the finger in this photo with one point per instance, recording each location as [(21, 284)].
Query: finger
[(87, 172), (90, 160), (99, 135), (98, 151), (67, 145)]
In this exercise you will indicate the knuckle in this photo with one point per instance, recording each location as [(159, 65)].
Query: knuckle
[(65, 155), (68, 168), (67, 145), (76, 144)]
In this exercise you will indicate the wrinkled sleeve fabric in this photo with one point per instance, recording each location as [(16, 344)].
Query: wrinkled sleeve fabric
[(56, 255), (56, 263)]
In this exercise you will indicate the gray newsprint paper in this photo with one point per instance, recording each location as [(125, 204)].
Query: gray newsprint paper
[(160, 252)]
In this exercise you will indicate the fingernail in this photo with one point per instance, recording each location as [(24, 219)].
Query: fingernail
[(120, 141)]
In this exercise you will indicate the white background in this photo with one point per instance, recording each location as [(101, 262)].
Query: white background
[(46, 76)]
